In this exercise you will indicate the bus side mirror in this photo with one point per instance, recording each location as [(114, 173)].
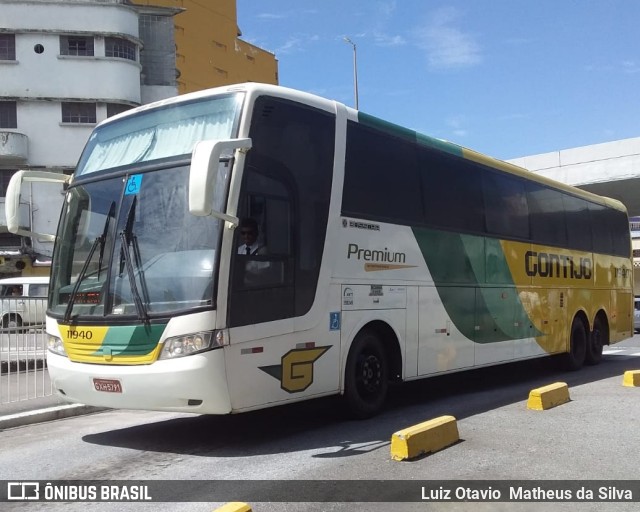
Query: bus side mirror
[(203, 174), (12, 199)]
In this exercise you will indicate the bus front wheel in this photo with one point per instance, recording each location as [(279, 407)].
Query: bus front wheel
[(574, 359), (366, 376)]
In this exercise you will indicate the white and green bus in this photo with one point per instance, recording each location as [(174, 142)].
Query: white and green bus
[(391, 256)]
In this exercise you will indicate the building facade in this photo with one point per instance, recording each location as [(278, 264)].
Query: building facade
[(209, 50), (64, 67)]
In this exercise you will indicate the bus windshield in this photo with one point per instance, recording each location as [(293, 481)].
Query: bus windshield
[(128, 246), (161, 133)]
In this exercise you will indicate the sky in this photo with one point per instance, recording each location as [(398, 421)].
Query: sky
[(508, 78)]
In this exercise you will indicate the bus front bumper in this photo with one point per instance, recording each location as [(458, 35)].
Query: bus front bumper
[(195, 383)]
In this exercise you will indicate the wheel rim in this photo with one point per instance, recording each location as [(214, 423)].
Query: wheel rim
[(370, 374)]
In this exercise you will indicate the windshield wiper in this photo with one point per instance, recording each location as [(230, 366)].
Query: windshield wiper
[(112, 213), (101, 240), (127, 237), (83, 271)]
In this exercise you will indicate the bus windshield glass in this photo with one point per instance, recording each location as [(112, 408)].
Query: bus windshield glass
[(160, 133), (129, 246)]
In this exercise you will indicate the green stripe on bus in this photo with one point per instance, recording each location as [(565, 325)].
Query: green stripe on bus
[(405, 133), (459, 268), (132, 340)]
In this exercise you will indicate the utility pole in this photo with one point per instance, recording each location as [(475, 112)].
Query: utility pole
[(355, 69)]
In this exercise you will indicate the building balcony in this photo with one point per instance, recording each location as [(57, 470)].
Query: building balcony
[(13, 147)]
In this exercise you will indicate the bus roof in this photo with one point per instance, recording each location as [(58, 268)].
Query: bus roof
[(389, 127)]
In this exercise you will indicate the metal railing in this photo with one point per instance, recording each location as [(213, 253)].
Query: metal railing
[(23, 347)]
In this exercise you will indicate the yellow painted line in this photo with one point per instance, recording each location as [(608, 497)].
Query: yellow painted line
[(549, 396), (631, 378), (426, 437), (234, 506)]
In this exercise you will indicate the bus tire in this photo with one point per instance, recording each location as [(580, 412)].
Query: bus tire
[(366, 376), (598, 338), (574, 359)]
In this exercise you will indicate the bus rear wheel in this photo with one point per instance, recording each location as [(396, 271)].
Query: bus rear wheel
[(366, 376), (597, 340), (574, 359)]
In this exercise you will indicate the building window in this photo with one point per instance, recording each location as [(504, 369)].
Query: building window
[(7, 47), (222, 46), (158, 59), (121, 48), (76, 45), (116, 108), (5, 178), (8, 117), (76, 112)]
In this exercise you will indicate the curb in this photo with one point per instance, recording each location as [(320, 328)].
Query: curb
[(48, 414)]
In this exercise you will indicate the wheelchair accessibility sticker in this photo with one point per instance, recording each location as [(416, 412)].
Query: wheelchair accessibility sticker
[(334, 321), (133, 184)]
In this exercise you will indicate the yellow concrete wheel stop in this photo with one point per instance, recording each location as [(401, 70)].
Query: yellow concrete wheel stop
[(549, 396), (234, 506), (631, 378), (427, 437)]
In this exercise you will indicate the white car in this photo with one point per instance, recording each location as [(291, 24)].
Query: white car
[(23, 301), (636, 314)]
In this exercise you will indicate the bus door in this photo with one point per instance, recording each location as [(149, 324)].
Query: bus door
[(281, 347)]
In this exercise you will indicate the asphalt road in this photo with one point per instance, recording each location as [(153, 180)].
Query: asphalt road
[(592, 437)]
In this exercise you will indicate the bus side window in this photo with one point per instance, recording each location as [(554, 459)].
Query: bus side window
[(287, 187), (506, 206)]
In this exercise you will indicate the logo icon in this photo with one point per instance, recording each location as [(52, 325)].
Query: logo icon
[(347, 297), (23, 491), (295, 371)]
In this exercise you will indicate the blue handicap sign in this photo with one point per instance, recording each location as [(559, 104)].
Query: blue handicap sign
[(133, 184), (334, 321)]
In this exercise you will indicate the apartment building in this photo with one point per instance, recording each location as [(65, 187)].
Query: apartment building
[(64, 67), (210, 51)]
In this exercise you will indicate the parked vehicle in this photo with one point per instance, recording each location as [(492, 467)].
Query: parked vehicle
[(23, 301), (636, 315)]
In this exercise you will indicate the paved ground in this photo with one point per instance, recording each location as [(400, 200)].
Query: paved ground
[(25, 412)]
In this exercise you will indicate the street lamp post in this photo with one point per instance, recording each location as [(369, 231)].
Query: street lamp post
[(355, 69)]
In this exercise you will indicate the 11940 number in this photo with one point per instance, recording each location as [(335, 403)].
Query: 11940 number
[(79, 334)]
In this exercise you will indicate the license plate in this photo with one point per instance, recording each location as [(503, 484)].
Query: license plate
[(107, 385)]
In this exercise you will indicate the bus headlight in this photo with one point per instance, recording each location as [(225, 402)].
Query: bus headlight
[(189, 344), (55, 345)]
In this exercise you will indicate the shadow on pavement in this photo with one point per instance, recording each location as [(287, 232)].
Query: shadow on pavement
[(320, 424)]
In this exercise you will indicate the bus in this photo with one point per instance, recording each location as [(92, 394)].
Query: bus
[(391, 256)]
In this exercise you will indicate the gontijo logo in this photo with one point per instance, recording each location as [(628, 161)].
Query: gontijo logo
[(295, 371), (545, 264), (378, 259)]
